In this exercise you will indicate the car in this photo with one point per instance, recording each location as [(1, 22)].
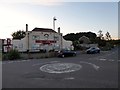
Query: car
[(93, 50), (66, 53)]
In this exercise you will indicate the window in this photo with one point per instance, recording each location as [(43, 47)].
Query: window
[(46, 36), (21, 46), (56, 38), (35, 37), (35, 46), (15, 47)]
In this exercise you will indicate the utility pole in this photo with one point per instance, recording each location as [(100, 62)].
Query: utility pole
[(54, 19), (27, 34)]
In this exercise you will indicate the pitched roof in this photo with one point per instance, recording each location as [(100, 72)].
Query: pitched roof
[(84, 39), (44, 30)]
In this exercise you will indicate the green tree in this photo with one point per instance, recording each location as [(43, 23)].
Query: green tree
[(19, 34), (74, 37)]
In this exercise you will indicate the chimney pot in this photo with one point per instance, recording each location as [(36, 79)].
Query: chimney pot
[(26, 27), (58, 29)]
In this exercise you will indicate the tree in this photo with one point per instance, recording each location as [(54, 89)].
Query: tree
[(19, 34), (74, 37), (108, 36), (100, 34)]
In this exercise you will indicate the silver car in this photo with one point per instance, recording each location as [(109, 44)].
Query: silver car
[(93, 50)]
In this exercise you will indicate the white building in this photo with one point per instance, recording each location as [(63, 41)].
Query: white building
[(42, 38), (0, 45), (6, 44)]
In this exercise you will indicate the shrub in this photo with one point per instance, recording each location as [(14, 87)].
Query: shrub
[(102, 43), (13, 54), (4, 57)]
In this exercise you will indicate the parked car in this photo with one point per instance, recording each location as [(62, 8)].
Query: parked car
[(93, 50), (66, 53)]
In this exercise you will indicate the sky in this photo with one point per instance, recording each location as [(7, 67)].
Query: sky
[(73, 16)]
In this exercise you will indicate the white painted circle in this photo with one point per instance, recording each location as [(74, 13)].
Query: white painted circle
[(60, 67)]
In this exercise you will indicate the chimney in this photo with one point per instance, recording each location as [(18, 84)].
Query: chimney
[(26, 27), (59, 30)]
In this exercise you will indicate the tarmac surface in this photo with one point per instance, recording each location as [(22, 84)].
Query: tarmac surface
[(81, 71)]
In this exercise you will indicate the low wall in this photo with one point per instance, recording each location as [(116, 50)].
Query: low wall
[(37, 55), (33, 55)]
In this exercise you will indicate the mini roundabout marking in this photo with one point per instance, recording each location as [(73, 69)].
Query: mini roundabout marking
[(57, 70), (60, 67), (64, 67)]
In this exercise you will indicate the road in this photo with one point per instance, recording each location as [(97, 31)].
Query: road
[(82, 71)]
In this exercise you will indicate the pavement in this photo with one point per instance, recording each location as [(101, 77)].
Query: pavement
[(81, 71)]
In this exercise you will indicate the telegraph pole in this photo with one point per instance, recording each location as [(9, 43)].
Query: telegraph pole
[(54, 19)]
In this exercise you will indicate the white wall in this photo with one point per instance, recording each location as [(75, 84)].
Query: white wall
[(20, 44), (67, 44), (5, 46)]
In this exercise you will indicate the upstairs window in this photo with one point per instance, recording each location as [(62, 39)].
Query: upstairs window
[(35, 37)]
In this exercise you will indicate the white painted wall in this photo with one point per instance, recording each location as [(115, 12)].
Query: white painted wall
[(21, 45), (5, 45), (67, 44)]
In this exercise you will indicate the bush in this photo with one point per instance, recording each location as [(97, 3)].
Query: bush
[(13, 54), (42, 51), (102, 43)]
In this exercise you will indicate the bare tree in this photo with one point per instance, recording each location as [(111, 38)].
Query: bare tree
[(100, 35), (108, 36)]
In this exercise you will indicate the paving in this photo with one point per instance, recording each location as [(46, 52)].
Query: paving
[(82, 71)]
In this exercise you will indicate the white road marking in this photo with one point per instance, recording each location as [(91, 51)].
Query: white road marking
[(69, 78), (106, 60), (110, 60), (102, 59), (8, 62), (94, 66), (60, 67)]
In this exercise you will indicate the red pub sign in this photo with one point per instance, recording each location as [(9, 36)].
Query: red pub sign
[(45, 41)]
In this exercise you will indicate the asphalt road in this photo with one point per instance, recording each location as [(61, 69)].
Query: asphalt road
[(82, 71)]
